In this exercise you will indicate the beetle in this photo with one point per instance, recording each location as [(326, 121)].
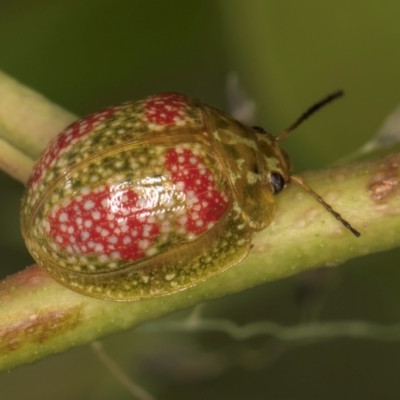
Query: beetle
[(151, 197)]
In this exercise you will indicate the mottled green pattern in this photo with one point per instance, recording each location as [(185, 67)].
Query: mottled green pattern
[(126, 150)]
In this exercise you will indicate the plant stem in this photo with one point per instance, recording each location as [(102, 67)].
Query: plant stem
[(39, 317), (28, 121)]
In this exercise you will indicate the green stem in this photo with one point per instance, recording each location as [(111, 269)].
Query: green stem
[(28, 121), (39, 317)]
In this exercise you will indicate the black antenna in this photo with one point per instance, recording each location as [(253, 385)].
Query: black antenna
[(298, 179), (301, 183), (310, 111)]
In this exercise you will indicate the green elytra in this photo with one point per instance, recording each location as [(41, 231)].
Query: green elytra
[(247, 167)]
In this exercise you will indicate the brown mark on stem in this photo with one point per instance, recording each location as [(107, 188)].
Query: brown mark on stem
[(385, 181), (32, 328), (37, 328)]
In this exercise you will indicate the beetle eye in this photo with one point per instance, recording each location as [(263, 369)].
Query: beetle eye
[(278, 183)]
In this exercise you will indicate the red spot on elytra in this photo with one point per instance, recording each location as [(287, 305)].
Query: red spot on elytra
[(122, 225), (206, 204), (104, 222), (66, 139), (166, 108)]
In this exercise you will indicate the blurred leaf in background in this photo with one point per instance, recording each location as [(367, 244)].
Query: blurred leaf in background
[(89, 54)]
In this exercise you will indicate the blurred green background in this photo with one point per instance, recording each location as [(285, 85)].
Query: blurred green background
[(85, 55)]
